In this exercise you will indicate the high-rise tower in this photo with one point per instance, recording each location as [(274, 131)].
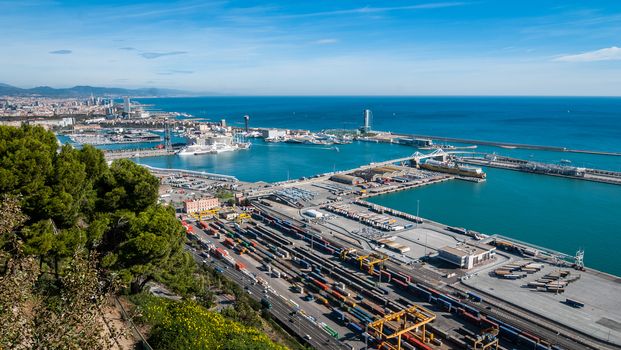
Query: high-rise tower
[(246, 120), (368, 116), (127, 108)]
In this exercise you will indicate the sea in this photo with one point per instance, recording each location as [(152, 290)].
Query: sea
[(561, 214)]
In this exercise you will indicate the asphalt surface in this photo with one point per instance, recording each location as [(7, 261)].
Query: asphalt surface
[(287, 313)]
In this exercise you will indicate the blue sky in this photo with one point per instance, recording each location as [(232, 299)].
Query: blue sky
[(337, 47)]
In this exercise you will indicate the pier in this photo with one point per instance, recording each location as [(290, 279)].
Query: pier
[(111, 155), (595, 175), (510, 145)]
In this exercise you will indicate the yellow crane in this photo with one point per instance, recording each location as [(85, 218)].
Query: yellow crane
[(372, 260), (487, 340), (241, 217), (413, 318), (345, 252)]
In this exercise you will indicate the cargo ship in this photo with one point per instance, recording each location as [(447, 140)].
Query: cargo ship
[(453, 168)]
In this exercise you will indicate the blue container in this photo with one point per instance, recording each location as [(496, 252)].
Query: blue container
[(355, 327)]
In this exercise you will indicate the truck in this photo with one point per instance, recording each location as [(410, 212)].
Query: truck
[(229, 242), (221, 253), (266, 303)]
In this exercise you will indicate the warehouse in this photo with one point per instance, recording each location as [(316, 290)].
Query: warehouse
[(346, 179), (466, 255)]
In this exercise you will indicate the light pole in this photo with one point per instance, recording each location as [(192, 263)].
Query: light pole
[(418, 218)]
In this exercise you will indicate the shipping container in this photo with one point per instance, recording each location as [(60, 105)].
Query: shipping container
[(475, 297), (574, 303)]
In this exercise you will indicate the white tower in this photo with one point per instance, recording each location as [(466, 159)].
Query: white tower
[(127, 108), (368, 115)]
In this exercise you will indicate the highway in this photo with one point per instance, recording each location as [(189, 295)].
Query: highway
[(282, 309)]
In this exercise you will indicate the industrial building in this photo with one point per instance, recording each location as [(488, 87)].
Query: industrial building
[(347, 179), (467, 255), (415, 142), (381, 172), (273, 133), (312, 213), (198, 205)]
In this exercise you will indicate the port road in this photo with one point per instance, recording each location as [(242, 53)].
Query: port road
[(301, 321)]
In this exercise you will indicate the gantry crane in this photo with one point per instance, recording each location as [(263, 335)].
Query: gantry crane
[(199, 215), (345, 252), (487, 340), (394, 326), (241, 217), (372, 260)]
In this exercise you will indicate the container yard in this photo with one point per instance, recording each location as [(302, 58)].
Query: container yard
[(341, 269)]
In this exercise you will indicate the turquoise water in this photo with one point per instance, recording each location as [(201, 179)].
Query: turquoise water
[(558, 213), (273, 162), (573, 122)]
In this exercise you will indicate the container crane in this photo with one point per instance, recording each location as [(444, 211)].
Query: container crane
[(393, 326)]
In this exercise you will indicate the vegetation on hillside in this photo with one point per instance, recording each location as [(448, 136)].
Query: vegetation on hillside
[(74, 231), (188, 325)]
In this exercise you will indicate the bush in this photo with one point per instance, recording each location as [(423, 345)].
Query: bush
[(188, 325)]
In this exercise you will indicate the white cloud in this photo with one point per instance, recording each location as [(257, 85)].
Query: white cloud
[(326, 41), (607, 54), (370, 10)]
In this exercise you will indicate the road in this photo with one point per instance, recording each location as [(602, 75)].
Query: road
[(300, 322)]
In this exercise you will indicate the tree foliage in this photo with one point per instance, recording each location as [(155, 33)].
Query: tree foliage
[(71, 227), (188, 325), (73, 230)]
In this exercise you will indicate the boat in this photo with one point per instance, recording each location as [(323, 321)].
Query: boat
[(453, 168), (507, 147), (213, 145)]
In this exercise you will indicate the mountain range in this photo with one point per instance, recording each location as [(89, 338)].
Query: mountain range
[(85, 90)]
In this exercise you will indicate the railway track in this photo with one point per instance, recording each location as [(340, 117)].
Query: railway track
[(547, 330)]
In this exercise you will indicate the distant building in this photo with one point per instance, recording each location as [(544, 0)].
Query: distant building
[(273, 133), (466, 255), (53, 123), (415, 142), (127, 107), (347, 179), (198, 205), (246, 120), (368, 115), (228, 215)]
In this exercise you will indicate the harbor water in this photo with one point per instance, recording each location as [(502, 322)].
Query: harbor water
[(558, 213)]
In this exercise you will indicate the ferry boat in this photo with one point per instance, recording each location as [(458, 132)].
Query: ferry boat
[(213, 145), (453, 168)]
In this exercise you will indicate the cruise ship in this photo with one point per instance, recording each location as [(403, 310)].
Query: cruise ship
[(453, 168), (213, 145)]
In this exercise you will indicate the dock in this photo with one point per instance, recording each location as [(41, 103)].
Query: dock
[(587, 174), (111, 155), (510, 145)]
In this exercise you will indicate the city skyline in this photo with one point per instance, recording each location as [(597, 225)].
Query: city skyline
[(323, 48)]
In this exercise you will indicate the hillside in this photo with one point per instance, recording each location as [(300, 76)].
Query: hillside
[(85, 91)]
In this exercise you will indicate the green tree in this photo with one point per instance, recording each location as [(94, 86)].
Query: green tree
[(149, 246), (130, 186)]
